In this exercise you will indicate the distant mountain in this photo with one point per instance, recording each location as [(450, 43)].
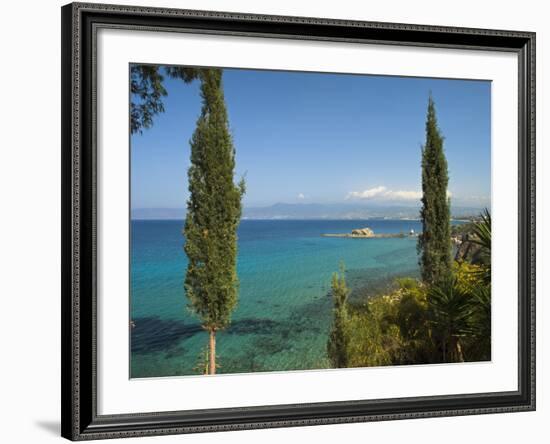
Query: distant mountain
[(313, 211), (344, 211), (158, 213)]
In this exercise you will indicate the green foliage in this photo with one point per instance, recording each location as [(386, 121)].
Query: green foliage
[(368, 343), (467, 275), (464, 228), (388, 329), (434, 243), (201, 367), (482, 231), (213, 211), (412, 320), (419, 323), (338, 343), (147, 90), (450, 311), (479, 348), (460, 313), (476, 280), (184, 73), (380, 319)]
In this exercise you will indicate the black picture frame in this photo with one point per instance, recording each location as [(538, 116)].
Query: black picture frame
[(80, 22)]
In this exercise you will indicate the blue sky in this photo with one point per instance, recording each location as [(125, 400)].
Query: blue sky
[(322, 138)]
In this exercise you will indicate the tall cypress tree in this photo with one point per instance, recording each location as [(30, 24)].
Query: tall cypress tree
[(213, 215), (434, 244)]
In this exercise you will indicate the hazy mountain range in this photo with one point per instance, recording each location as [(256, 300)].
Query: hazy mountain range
[(305, 211)]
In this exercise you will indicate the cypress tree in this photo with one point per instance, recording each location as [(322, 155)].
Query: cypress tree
[(434, 244), (213, 215), (338, 342)]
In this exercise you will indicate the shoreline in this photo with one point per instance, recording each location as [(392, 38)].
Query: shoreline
[(366, 284)]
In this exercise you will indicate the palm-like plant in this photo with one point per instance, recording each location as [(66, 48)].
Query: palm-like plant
[(482, 237), (480, 346), (483, 231), (450, 312)]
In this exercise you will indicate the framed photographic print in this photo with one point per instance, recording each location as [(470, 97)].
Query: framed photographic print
[(279, 221)]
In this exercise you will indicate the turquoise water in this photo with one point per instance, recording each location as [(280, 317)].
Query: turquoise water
[(284, 311)]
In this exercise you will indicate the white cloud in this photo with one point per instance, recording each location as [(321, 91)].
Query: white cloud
[(381, 192), (301, 196), (367, 194), (404, 195)]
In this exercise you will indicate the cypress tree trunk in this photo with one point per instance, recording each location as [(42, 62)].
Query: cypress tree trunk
[(213, 215), (212, 348), (434, 244), (457, 346)]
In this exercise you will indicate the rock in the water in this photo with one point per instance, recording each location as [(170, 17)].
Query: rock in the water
[(365, 232)]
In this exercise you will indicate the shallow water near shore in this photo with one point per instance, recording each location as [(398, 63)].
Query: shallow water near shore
[(284, 312)]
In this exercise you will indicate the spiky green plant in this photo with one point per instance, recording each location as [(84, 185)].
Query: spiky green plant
[(450, 311), (480, 323), (482, 237)]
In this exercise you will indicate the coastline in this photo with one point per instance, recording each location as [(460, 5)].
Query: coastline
[(366, 284), (283, 317)]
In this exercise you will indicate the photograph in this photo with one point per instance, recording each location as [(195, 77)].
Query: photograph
[(318, 217), (293, 221)]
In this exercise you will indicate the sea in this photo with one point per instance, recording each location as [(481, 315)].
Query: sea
[(283, 316)]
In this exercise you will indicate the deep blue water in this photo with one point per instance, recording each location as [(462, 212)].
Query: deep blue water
[(284, 311)]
